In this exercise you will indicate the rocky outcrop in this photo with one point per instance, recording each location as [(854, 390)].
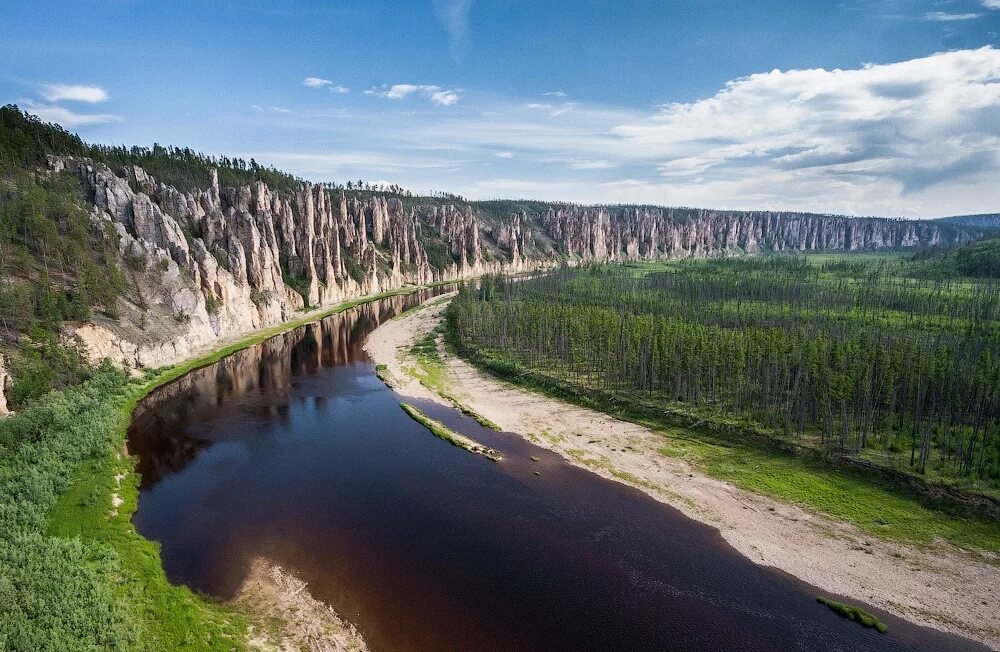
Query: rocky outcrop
[(4, 385), (217, 262), (645, 233), (221, 261)]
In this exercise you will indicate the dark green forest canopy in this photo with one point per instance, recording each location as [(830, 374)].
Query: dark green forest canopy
[(859, 354)]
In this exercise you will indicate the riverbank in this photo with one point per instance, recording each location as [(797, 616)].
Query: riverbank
[(933, 583), (83, 577), (300, 621)]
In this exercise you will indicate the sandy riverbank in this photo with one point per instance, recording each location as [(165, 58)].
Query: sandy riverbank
[(301, 622), (942, 587)]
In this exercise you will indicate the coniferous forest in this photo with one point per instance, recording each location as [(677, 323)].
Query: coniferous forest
[(893, 360)]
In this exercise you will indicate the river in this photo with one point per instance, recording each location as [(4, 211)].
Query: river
[(293, 450)]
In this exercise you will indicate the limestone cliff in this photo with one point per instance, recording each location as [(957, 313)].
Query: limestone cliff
[(648, 233), (216, 262), (219, 262)]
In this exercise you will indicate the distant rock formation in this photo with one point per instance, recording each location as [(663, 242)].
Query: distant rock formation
[(623, 233)]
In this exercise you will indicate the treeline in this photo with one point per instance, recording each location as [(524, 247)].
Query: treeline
[(847, 355), (977, 259), (26, 142)]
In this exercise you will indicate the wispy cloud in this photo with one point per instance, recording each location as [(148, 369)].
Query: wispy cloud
[(319, 82), (945, 17), (73, 93), (555, 94), (599, 164), (505, 155), (274, 109), (454, 14), (991, 4), (370, 162), (554, 110), (436, 94), (67, 117)]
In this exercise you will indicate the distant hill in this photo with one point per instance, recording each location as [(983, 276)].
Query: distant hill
[(983, 221)]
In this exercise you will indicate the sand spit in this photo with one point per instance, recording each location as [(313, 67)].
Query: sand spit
[(301, 621)]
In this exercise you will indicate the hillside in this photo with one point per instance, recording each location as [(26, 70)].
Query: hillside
[(985, 221), (147, 255)]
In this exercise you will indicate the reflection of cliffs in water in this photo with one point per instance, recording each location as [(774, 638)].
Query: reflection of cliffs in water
[(168, 427)]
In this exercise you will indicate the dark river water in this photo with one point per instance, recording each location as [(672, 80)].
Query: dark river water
[(294, 450)]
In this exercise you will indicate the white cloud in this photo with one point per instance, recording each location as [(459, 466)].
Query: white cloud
[(437, 95), (554, 110), (444, 98), (399, 91), (275, 109), (455, 16), (945, 17), (66, 117), (319, 82), (991, 4), (896, 128), (555, 94), (505, 155), (73, 93)]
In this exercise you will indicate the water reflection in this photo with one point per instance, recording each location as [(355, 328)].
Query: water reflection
[(166, 431)]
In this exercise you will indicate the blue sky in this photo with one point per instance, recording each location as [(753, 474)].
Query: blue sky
[(888, 107)]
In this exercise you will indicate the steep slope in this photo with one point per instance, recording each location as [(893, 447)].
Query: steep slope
[(216, 262)]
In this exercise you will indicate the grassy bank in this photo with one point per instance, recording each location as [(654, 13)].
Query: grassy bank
[(442, 431), (74, 573), (857, 614), (882, 509)]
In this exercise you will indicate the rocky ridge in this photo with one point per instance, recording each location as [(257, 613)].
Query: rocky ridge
[(217, 262)]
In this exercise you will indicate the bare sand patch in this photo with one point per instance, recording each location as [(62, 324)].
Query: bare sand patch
[(301, 621), (940, 586)]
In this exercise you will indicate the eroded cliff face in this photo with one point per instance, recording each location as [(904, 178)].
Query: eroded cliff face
[(219, 262), (625, 233)]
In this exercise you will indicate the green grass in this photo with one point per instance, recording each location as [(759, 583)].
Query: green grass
[(442, 431), (878, 509), (857, 614), (430, 370)]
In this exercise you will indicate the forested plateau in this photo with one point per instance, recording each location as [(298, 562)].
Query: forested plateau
[(891, 360)]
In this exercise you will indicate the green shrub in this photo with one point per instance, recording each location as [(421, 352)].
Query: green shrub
[(857, 614), (55, 592)]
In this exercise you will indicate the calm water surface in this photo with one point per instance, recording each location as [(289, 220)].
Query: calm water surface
[(295, 451)]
